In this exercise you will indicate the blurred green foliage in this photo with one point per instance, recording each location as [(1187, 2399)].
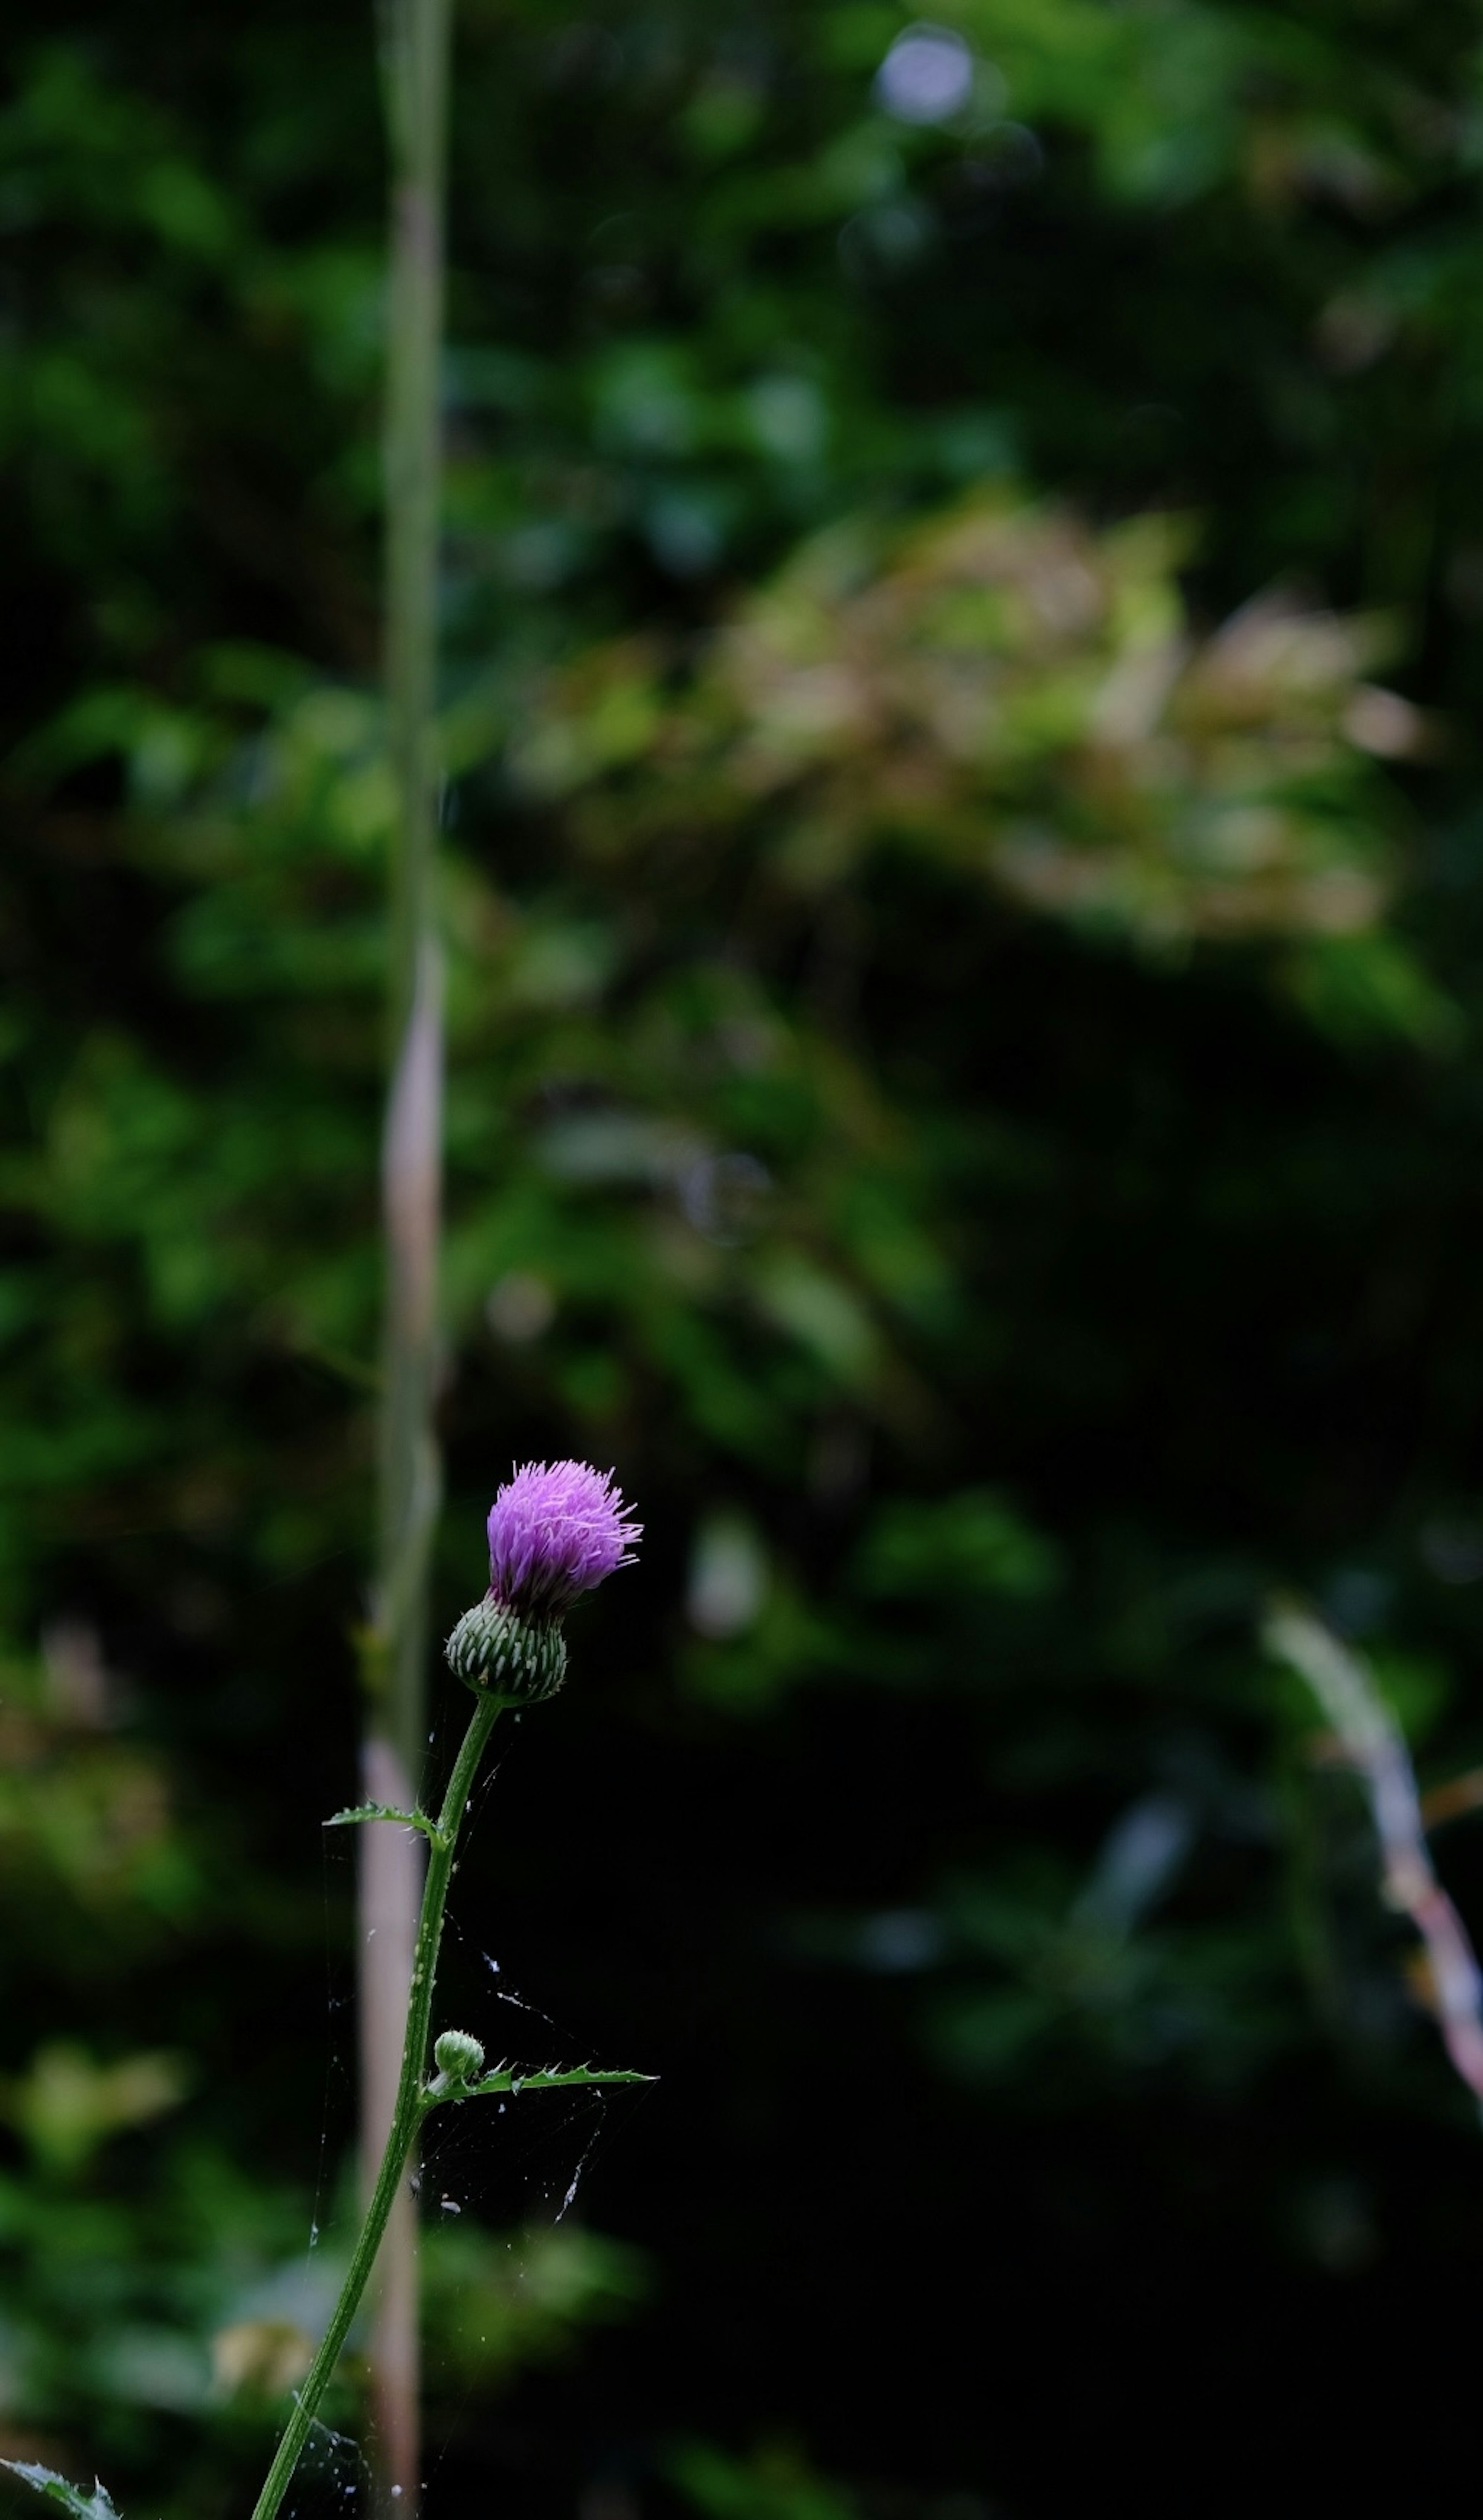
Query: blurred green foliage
[(964, 1087)]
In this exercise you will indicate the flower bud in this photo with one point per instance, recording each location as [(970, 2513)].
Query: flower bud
[(458, 2054), (518, 1660)]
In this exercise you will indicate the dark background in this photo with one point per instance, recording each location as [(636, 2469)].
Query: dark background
[(984, 1306)]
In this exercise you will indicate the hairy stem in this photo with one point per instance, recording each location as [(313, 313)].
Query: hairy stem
[(412, 2100)]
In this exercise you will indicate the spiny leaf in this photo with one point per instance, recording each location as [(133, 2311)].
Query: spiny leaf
[(384, 1810), (96, 2506), (550, 2078)]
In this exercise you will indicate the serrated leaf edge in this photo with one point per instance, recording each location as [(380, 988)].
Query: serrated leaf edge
[(97, 2505), (548, 2077), (383, 1811)]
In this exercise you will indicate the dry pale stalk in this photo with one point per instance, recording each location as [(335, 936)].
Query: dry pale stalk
[(1372, 1740), (415, 36)]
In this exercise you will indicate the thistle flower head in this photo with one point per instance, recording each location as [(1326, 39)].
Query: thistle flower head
[(556, 1529)]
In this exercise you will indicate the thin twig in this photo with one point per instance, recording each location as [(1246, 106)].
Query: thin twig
[(1372, 1740)]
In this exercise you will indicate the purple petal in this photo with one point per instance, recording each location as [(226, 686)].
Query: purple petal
[(556, 1529)]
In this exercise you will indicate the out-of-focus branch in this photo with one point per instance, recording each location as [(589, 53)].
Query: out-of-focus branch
[(415, 37), (1372, 1740)]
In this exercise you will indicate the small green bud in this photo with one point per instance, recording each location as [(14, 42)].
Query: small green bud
[(458, 2054), (516, 1660)]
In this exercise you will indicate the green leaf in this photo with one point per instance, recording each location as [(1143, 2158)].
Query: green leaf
[(384, 1810), (548, 2078), (1372, 987), (971, 1542), (97, 2505)]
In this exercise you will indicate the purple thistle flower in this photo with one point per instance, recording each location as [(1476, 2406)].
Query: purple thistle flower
[(556, 1529)]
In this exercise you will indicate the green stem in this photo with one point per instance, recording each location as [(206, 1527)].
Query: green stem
[(412, 2103)]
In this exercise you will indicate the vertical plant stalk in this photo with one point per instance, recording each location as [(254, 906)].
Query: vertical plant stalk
[(1372, 1740), (415, 37), (410, 2104)]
